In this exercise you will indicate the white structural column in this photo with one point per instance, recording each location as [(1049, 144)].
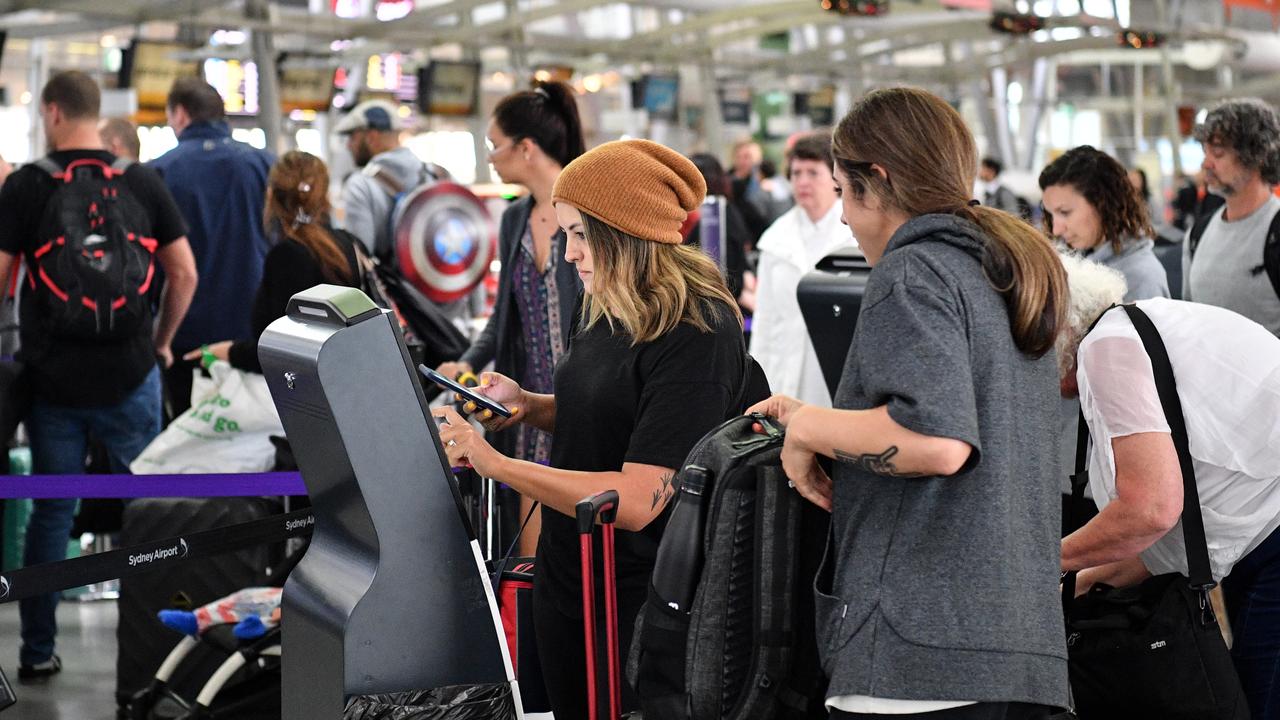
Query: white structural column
[(1170, 93), (37, 76), (264, 56)]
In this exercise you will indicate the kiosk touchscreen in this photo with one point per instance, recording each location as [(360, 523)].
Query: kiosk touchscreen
[(391, 595)]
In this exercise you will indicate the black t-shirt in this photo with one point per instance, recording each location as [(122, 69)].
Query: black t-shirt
[(646, 404), (75, 372), (288, 269)]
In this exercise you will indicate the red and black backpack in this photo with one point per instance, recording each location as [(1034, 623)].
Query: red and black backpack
[(91, 272)]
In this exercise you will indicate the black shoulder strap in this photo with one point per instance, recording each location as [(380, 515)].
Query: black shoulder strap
[(1192, 521), (1271, 253), (1197, 230)]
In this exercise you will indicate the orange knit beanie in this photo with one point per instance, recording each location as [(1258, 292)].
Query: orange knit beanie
[(637, 186)]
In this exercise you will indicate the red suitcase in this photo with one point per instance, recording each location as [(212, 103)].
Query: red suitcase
[(604, 506)]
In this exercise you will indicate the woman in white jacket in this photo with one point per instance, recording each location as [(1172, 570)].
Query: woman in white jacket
[(790, 248)]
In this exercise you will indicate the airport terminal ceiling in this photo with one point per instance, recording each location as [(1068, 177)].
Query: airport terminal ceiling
[(1144, 68), (927, 42)]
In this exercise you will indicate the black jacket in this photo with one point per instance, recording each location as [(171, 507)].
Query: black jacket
[(501, 341)]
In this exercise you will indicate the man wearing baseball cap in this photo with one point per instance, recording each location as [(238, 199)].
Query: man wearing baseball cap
[(372, 133)]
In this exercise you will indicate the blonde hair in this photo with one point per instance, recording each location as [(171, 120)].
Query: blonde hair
[(1093, 289), (650, 287), (930, 159)]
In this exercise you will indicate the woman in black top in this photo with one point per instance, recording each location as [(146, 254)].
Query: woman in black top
[(656, 362), (307, 252)]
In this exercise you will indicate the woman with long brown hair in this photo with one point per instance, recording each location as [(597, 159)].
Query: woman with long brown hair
[(308, 251), (937, 597)]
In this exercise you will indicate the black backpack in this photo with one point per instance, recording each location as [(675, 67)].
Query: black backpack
[(1270, 247), (746, 650), (96, 261)]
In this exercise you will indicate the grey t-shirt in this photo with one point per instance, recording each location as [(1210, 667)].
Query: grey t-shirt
[(1227, 270), (946, 587)]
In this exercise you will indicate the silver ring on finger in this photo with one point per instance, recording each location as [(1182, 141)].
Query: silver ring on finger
[(451, 443)]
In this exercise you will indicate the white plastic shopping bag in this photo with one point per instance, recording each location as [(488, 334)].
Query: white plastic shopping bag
[(227, 429)]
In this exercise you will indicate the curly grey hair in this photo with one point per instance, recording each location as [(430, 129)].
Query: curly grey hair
[(1093, 288), (1251, 127)]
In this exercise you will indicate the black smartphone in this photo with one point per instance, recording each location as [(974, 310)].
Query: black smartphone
[(469, 393)]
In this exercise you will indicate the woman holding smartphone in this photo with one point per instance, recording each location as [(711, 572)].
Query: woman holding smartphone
[(533, 135), (655, 363)]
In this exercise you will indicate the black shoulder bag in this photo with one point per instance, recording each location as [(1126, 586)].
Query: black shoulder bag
[(1153, 650)]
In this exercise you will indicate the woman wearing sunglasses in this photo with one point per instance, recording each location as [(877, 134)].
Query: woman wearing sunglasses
[(533, 134)]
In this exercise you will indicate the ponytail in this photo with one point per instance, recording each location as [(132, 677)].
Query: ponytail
[(1023, 267), (297, 204), (547, 115), (561, 98), (314, 237)]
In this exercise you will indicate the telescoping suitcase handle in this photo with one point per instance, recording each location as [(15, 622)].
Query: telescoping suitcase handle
[(604, 506)]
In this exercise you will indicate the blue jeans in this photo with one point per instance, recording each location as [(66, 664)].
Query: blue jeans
[(1252, 594), (59, 443)]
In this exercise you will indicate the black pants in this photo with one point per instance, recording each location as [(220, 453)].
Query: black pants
[(1252, 594), (563, 655), (980, 711)]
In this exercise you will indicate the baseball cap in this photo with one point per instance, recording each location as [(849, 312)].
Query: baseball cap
[(369, 115)]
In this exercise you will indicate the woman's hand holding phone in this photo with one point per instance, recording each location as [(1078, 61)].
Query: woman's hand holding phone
[(499, 388)]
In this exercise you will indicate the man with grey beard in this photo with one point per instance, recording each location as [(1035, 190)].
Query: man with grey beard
[(1232, 257)]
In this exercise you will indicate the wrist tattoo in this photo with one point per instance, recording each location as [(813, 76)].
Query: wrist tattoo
[(664, 492), (880, 464)]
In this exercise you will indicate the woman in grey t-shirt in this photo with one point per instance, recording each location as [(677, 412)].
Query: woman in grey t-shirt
[(939, 591)]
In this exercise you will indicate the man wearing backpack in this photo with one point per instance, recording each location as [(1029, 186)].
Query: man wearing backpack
[(90, 229), (372, 134), (1232, 255)]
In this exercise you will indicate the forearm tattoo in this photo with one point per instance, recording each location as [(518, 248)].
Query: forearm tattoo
[(664, 492), (880, 464)]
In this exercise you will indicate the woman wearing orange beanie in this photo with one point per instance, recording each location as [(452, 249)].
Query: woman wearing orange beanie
[(656, 361)]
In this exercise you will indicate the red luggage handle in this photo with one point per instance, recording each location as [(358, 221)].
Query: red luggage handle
[(604, 506)]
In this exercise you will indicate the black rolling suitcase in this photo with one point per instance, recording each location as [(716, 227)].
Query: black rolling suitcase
[(143, 641)]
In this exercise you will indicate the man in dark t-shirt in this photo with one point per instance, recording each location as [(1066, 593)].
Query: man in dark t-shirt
[(84, 383)]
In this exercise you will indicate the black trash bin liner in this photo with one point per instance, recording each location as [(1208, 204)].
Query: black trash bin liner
[(458, 702)]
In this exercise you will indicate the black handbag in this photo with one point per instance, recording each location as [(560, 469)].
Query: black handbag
[(1153, 650)]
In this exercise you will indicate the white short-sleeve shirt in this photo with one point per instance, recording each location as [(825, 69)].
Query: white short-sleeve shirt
[(1227, 369)]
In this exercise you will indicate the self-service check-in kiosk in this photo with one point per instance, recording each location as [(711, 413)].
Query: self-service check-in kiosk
[(392, 594), (830, 298)]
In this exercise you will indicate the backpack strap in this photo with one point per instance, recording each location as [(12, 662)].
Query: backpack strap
[(383, 176), (1197, 230), (1192, 519), (50, 166), (1271, 253)]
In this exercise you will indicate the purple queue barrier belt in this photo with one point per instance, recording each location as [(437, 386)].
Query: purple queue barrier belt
[(150, 486)]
